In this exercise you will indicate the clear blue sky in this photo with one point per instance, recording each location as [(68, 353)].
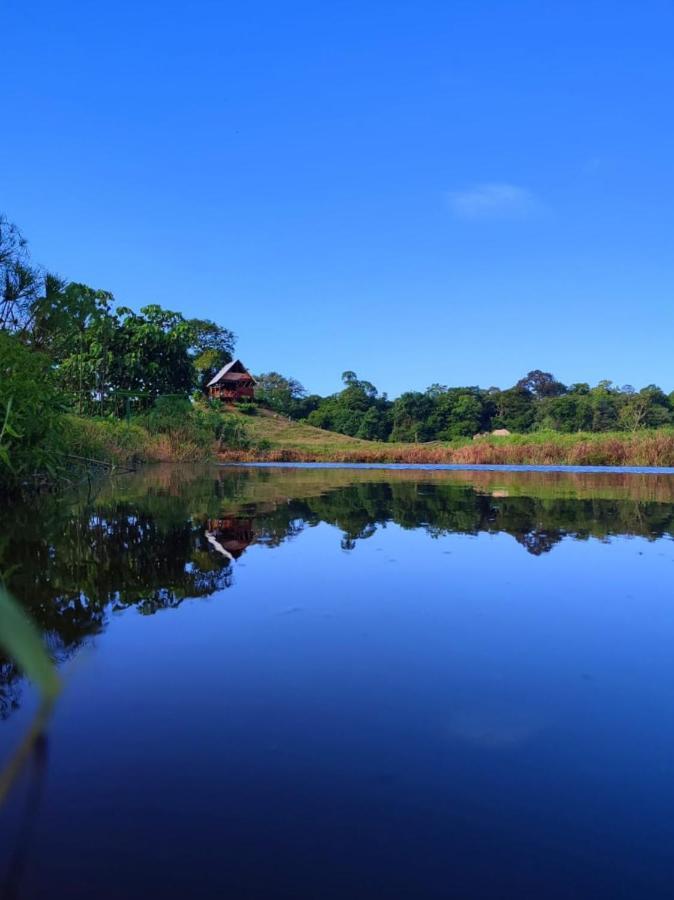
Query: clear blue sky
[(422, 191)]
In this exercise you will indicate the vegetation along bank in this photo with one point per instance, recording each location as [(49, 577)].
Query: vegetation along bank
[(82, 378)]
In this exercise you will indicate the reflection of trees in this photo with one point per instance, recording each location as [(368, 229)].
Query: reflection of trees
[(537, 523), (9, 688), (70, 568), (150, 544), (118, 557), (538, 542)]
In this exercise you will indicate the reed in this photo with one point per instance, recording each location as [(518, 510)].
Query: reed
[(647, 449)]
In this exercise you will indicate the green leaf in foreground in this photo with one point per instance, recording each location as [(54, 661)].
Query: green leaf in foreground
[(22, 642)]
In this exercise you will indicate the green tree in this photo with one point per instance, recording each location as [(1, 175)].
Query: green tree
[(410, 414), (280, 393), (605, 403), (152, 351), (513, 409), (649, 408), (374, 425), (457, 412), (212, 347), (20, 281), (74, 325), (568, 413), (346, 411), (30, 413), (541, 384)]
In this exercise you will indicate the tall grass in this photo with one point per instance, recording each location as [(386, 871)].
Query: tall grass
[(187, 435), (655, 448)]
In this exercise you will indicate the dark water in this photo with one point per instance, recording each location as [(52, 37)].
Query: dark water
[(306, 683)]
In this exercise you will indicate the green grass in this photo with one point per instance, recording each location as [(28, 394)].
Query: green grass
[(268, 436), (281, 433), (275, 438)]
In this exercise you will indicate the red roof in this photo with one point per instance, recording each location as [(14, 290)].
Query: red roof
[(236, 376)]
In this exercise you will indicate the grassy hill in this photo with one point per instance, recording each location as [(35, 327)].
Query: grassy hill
[(279, 433), (276, 439)]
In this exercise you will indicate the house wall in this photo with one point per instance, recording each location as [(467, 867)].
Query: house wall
[(242, 392)]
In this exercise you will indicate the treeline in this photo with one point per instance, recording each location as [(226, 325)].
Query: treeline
[(537, 402), (66, 349), (79, 374)]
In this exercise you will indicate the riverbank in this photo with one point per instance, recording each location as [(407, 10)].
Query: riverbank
[(276, 439), (233, 437), (120, 442)]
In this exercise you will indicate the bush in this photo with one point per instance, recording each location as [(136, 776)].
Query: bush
[(247, 408), (232, 433), (191, 431), (109, 440), (30, 414), (167, 415)]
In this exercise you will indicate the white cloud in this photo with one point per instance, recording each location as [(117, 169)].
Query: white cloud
[(494, 200)]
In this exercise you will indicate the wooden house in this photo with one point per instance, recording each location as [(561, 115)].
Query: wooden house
[(233, 382)]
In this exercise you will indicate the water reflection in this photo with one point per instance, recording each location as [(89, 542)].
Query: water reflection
[(151, 540)]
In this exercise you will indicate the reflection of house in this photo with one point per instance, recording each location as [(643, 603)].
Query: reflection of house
[(230, 536), (232, 382)]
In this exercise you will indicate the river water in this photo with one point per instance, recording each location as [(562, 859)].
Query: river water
[(306, 682)]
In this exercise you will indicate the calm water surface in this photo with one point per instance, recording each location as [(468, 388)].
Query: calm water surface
[(344, 683)]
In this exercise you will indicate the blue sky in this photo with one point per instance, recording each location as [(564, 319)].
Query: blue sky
[(449, 192)]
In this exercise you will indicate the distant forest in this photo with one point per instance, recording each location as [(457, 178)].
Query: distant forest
[(67, 349), (537, 402)]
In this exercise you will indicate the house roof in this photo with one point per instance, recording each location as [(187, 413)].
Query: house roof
[(235, 365), (237, 376)]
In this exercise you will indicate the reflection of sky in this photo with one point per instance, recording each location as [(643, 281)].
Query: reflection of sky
[(457, 689)]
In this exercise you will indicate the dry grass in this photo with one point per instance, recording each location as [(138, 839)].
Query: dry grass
[(119, 442), (280, 440), (276, 439)]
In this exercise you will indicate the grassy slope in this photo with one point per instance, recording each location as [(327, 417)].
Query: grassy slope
[(282, 433), (287, 441)]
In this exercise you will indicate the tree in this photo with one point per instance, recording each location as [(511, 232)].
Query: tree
[(568, 413), (30, 407), (514, 409), (374, 425), (604, 400), (64, 321), (457, 412), (409, 414), (212, 347), (649, 408), (74, 324), (541, 384), (152, 351), (279, 393), (345, 412), (20, 281), (146, 353)]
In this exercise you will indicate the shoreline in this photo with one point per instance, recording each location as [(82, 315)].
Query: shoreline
[(274, 442), (453, 467)]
